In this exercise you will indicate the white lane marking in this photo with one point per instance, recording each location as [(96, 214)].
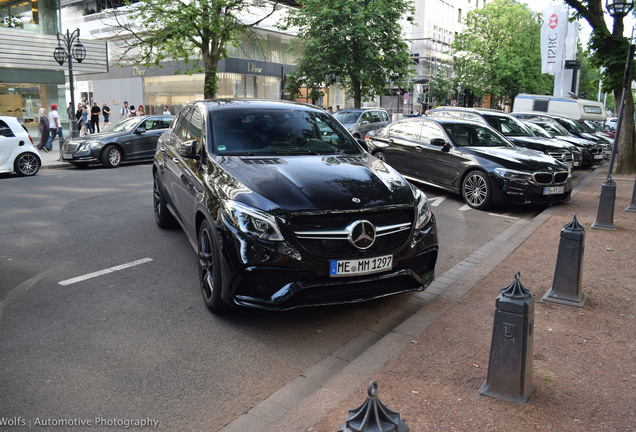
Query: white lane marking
[(504, 215), (103, 272), (436, 201), (465, 207)]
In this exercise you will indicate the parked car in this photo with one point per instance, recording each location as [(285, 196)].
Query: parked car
[(471, 159), (540, 132), (130, 139), (17, 152), (593, 152), (360, 121), (285, 209), (515, 131)]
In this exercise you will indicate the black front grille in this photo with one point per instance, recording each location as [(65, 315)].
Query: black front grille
[(341, 247), (546, 178), (561, 177)]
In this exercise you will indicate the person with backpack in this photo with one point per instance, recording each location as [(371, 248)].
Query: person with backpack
[(124, 112)]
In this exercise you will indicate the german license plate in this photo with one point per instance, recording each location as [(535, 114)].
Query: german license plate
[(599, 156), (67, 156), (553, 190), (362, 266)]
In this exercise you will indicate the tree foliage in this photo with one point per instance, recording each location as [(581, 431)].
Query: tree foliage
[(609, 50), (354, 43), (499, 52), (195, 33), (441, 85)]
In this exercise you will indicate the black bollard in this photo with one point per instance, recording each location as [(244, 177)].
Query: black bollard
[(566, 287), (605, 216), (632, 206), (510, 365), (373, 416)]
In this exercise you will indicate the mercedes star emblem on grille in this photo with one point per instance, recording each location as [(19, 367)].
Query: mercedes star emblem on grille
[(361, 234)]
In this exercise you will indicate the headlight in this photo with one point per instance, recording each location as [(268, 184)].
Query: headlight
[(424, 213), (251, 221), (512, 174), (89, 145)]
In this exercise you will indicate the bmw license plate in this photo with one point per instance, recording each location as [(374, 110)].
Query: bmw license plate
[(553, 190), (363, 266), (599, 156)]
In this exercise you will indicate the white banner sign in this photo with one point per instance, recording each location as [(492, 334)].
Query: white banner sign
[(553, 36)]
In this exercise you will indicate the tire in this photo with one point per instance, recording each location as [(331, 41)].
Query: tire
[(26, 164), (210, 269), (381, 156), (111, 156), (476, 190), (163, 217)]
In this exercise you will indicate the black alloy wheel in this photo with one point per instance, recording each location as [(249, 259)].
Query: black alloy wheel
[(210, 269), (27, 164), (163, 217), (476, 190)]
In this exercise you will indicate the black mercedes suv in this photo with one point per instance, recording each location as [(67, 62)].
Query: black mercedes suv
[(286, 209)]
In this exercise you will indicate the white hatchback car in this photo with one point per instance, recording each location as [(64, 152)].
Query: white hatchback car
[(17, 152)]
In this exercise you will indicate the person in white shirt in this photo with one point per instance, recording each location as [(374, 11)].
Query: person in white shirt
[(55, 129), (124, 112), (166, 111)]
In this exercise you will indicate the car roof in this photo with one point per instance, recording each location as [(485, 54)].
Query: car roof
[(471, 110), (240, 104)]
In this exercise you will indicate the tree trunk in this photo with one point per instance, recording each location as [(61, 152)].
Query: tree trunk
[(625, 155), (357, 92)]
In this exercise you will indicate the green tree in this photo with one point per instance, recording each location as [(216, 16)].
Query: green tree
[(441, 86), (353, 43), (590, 75), (609, 49), (499, 52), (195, 33)]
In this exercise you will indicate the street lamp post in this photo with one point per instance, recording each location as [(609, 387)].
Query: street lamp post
[(605, 215), (66, 50)]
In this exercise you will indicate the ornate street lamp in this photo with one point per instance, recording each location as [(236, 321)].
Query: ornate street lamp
[(619, 8), (605, 216), (66, 50)]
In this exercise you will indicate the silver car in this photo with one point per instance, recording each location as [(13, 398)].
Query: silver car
[(359, 121)]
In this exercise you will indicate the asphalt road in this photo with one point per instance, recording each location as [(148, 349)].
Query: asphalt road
[(101, 318)]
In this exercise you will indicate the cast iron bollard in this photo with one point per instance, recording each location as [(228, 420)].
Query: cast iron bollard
[(605, 216), (510, 366), (566, 288), (632, 206), (373, 416)]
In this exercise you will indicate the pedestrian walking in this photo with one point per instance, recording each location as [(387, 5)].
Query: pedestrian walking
[(106, 114), (95, 112), (55, 129), (44, 129), (166, 111), (70, 113), (141, 111), (124, 112), (133, 111)]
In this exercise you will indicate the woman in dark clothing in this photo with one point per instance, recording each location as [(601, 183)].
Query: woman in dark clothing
[(44, 129)]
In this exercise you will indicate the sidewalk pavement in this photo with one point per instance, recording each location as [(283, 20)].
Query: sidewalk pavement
[(51, 158), (430, 358)]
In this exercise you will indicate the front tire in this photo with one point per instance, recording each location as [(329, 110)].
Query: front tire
[(476, 190), (381, 156), (27, 164), (111, 157), (163, 217), (210, 269)]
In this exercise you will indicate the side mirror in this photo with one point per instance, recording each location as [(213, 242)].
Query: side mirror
[(439, 142), (189, 149), (140, 130)]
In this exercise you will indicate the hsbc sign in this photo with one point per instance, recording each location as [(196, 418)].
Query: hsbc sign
[(553, 36)]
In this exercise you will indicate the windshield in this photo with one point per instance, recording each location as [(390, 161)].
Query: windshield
[(474, 135), (347, 117), (273, 132), (572, 126), (508, 126), (125, 125), (553, 128), (537, 130)]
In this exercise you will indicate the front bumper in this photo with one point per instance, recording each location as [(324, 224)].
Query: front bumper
[(284, 275), (518, 192)]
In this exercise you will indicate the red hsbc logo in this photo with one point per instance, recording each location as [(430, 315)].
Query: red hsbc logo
[(554, 21)]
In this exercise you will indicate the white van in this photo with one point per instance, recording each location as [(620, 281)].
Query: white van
[(576, 109)]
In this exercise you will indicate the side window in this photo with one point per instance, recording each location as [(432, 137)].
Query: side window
[(431, 130), (180, 123), (195, 128), (411, 130), (472, 117), (385, 116), (367, 117), (5, 130)]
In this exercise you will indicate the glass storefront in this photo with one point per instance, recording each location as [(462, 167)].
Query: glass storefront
[(39, 16), (175, 91)]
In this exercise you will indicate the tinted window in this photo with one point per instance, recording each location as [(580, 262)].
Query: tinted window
[(508, 126), (5, 130), (276, 132), (431, 130), (406, 129), (464, 135)]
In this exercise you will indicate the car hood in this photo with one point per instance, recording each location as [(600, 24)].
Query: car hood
[(296, 183), (538, 143), (100, 136), (577, 141), (517, 158)]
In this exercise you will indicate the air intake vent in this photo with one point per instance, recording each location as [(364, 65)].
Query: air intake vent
[(263, 161)]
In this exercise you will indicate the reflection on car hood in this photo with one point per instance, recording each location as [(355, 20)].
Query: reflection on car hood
[(517, 158), (538, 143), (319, 182), (581, 142), (98, 136)]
